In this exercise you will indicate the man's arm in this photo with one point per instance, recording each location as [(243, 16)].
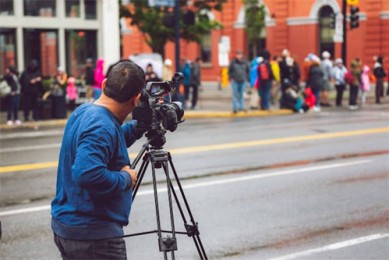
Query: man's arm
[(132, 132), (90, 169)]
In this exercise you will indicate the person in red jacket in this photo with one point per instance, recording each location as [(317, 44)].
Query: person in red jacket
[(310, 98)]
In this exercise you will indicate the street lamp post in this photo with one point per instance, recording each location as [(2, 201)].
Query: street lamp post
[(177, 33), (344, 44)]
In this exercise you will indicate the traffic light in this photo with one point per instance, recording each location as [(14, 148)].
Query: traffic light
[(354, 17), (332, 21)]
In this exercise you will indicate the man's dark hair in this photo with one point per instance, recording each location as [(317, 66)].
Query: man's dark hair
[(125, 80)]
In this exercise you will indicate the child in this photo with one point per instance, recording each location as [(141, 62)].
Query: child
[(71, 93), (365, 83), (310, 99)]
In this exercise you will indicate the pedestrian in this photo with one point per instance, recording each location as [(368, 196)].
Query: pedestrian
[(326, 65), (186, 70), (275, 89), (365, 83), (265, 79), (195, 81), (13, 98), (89, 78), (316, 81), (254, 85), (238, 73), (94, 181), (71, 93), (338, 73), (354, 81), (150, 74), (167, 70), (290, 75), (294, 101), (32, 88), (380, 75), (309, 98), (99, 76)]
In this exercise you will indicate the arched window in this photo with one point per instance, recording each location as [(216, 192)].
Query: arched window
[(326, 33)]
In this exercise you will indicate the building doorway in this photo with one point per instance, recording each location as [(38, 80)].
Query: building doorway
[(326, 32), (42, 46)]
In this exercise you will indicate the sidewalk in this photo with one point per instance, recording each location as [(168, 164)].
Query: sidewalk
[(212, 103)]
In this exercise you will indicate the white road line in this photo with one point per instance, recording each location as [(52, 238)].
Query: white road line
[(29, 148), (213, 183), (19, 135), (335, 246)]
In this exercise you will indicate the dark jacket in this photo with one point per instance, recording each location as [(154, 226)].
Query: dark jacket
[(239, 71), (13, 83), (27, 86), (195, 74), (316, 77)]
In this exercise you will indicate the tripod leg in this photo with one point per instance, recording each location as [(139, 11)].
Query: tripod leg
[(142, 171), (169, 191), (195, 232)]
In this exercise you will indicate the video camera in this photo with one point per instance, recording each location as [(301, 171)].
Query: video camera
[(154, 109)]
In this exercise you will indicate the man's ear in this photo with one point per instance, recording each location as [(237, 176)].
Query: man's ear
[(103, 84), (135, 100)]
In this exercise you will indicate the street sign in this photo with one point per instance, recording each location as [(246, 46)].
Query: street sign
[(169, 3), (353, 2)]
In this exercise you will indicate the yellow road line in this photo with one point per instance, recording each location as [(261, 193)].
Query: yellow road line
[(207, 148)]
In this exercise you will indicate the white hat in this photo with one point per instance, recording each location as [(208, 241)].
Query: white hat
[(168, 62), (338, 61), (60, 69), (326, 55), (285, 52)]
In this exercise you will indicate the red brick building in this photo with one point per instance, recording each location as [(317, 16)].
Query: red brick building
[(296, 25)]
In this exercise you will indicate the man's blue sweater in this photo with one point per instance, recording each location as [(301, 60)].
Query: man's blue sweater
[(93, 198)]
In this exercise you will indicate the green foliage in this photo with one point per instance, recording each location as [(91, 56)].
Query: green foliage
[(150, 20), (255, 19)]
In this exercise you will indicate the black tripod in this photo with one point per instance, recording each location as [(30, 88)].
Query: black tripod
[(158, 158)]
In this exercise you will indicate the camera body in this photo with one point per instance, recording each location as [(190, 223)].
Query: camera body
[(153, 110)]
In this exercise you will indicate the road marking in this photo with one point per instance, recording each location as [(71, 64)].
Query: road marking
[(29, 148), (19, 135), (217, 182), (218, 147), (335, 246)]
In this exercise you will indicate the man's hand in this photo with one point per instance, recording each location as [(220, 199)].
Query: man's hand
[(132, 173)]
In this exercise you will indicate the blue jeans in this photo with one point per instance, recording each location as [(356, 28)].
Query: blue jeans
[(238, 89), (264, 92), (113, 248), (13, 106)]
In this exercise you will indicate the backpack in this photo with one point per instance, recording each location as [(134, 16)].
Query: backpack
[(264, 71), (349, 78)]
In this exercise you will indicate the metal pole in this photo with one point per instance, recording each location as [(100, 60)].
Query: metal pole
[(344, 44), (177, 33)]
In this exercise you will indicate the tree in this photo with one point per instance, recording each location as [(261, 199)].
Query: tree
[(157, 23), (255, 23)]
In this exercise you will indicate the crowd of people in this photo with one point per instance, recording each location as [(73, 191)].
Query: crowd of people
[(278, 81), (25, 90)]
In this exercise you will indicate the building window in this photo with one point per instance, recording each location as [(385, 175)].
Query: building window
[(72, 8), (45, 8), (326, 33), (206, 48), (90, 9), (80, 45), (6, 7), (42, 46), (7, 49)]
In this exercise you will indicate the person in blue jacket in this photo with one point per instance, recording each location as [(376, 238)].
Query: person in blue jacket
[(94, 181)]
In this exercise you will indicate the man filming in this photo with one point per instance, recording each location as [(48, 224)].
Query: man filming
[(94, 180)]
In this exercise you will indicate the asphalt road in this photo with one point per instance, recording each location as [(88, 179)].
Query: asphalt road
[(311, 186)]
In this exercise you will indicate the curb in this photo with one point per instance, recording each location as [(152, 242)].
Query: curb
[(188, 115)]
